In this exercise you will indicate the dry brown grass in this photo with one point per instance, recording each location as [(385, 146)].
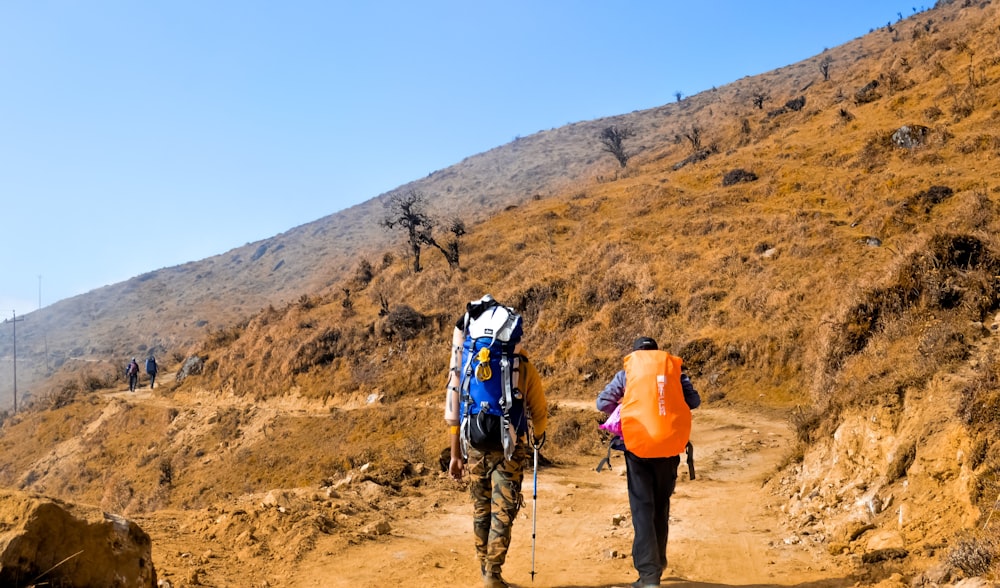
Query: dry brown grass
[(979, 410), (846, 277), (768, 289)]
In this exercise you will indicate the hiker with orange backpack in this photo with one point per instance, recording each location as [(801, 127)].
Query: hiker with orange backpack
[(654, 398), (496, 411)]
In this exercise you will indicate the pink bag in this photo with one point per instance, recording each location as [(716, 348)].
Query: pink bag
[(614, 423)]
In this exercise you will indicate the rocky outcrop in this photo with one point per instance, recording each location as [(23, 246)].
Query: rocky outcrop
[(51, 542)]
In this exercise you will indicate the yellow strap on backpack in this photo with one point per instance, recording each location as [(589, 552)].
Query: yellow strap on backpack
[(483, 370)]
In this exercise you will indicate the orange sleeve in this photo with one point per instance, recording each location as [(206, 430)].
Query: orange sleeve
[(534, 397)]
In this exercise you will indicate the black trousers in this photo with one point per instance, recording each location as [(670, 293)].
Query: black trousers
[(651, 481)]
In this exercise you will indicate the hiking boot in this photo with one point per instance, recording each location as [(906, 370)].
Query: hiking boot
[(494, 580), (641, 584)]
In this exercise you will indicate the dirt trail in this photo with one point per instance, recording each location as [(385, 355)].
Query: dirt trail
[(725, 530), (726, 527)]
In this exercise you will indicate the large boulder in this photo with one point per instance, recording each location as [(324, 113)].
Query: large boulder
[(45, 541)]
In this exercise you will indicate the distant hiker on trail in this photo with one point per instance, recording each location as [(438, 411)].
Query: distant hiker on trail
[(151, 370), (654, 398), (132, 371), (495, 407)]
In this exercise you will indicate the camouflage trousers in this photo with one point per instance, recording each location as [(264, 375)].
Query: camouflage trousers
[(496, 498)]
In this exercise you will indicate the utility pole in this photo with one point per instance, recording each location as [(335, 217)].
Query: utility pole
[(13, 322)]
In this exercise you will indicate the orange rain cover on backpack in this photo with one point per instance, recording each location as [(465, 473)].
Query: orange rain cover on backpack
[(656, 421)]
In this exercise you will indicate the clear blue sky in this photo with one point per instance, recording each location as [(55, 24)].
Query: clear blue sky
[(142, 134)]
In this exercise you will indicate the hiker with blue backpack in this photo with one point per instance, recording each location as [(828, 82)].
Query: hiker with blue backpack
[(496, 410), (649, 405), (151, 370)]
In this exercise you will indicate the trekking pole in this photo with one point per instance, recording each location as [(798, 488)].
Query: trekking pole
[(690, 454), (534, 513)]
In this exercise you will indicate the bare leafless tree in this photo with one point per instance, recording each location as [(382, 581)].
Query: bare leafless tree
[(759, 97), (451, 249), (613, 141), (457, 230), (694, 136), (824, 67), (405, 210)]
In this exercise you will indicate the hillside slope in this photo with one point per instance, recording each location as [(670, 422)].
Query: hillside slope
[(830, 254), (165, 310)]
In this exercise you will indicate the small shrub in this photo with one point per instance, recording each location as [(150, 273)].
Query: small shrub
[(92, 383), (868, 316), (404, 322), (363, 274), (933, 195), (614, 288), (964, 104), (222, 337), (62, 397), (736, 176), (805, 422), (531, 301), (796, 104), (306, 303), (695, 157), (320, 350), (867, 93), (166, 472), (661, 308), (974, 556), (979, 406), (697, 353)]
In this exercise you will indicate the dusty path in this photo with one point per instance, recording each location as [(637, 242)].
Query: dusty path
[(725, 528)]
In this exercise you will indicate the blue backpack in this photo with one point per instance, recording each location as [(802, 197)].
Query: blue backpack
[(492, 405)]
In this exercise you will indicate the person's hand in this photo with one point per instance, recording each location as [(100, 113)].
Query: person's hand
[(455, 468), (539, 441)]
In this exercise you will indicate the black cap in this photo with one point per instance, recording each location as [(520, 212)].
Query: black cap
[(644, 343)]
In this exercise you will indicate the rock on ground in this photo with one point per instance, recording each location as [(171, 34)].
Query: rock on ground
[(48, 541)]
